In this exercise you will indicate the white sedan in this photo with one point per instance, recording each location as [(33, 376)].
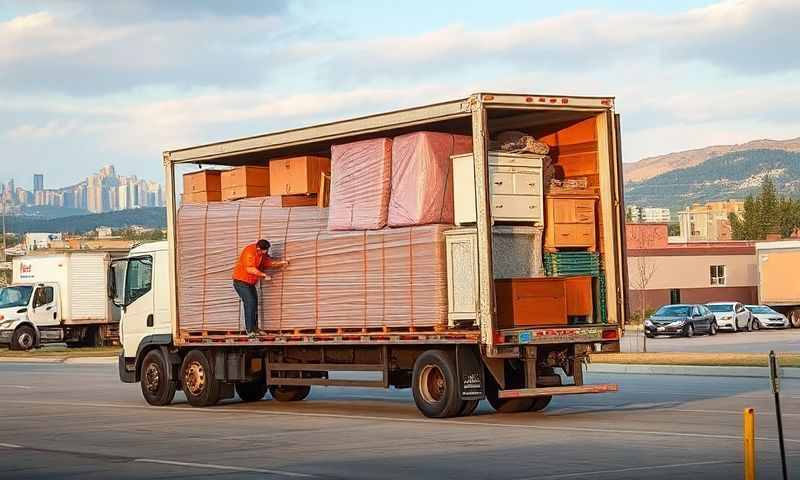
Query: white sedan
[(765, 317), (731, 315)]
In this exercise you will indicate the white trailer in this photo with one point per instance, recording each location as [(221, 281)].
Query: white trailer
[(58, 297)]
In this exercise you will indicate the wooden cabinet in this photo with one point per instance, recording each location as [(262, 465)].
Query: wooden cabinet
[(297, 175), (525, 302), (571, 222), (245, 182), (515, 185)]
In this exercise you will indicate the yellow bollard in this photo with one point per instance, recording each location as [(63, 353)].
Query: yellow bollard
[(749, 444)]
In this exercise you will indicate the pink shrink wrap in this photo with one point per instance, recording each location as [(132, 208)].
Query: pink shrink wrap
[(360, 184), (354, 279), (422, 177)]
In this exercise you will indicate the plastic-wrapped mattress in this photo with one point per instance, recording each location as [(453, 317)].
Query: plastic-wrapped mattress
[(422, 177)]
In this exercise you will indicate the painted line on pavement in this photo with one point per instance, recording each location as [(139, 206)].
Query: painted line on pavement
[(24, 387), (9, 445), (629, 469), (229, 468), (341, 416)]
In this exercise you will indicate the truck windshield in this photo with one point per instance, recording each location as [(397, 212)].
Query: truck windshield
[(720, 308), (11, 297)]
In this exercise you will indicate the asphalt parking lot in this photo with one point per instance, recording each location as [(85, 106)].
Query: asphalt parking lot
[(787, 340), (78, 421)]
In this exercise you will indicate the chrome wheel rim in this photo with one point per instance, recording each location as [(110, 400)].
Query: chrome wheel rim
[(194, 379), (432, 384), (25, 340), (152, 378)]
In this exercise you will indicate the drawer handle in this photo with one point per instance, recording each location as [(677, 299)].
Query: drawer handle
[(498, 183), (499, 206), (532, 207), (531, 184)]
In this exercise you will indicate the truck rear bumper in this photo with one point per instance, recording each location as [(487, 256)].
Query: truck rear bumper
[(567, 390)]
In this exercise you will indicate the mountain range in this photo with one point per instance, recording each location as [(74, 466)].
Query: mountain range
[(719, 172)]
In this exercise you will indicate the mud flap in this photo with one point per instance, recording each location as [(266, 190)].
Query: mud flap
[(470, 373)]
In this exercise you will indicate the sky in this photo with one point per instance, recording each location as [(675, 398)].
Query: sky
[(84, 84)]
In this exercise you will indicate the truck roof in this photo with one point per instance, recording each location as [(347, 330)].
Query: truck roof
[(778, 245), (452, 116), (149, 247)]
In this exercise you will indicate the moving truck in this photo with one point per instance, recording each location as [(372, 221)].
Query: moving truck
[(58, 297), (450, 369), (778, 263)]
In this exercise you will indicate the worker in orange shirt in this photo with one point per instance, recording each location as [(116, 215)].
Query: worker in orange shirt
[(253, 260)]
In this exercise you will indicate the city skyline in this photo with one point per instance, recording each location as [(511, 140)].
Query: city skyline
[(98, 192)]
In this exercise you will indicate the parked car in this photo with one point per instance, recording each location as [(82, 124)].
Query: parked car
[(681, 319), (732, 315), (765, 317)]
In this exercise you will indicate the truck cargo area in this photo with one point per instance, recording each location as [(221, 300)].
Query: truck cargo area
[(500, 291)]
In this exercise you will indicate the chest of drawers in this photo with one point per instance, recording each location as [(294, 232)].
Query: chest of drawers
[(571, 222), (515, 186)]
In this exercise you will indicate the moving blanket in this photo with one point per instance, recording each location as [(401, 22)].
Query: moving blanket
[(350, 279), (422, 177), (360, 183)]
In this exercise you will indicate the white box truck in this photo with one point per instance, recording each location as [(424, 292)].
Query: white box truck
[(448, 370), (58, 297)]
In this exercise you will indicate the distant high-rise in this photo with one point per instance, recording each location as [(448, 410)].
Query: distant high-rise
[(38, 182)]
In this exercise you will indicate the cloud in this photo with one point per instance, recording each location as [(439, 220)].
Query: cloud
[(746, 36)]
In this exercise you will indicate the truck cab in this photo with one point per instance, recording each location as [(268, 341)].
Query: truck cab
[(30, 314), (139, 286)]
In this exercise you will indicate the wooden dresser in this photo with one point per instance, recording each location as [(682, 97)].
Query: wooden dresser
[(571, 222)]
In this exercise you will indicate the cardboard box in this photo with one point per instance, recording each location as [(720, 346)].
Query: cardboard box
[(297, 175), (243, 191), (202, 181), (247, 175), (201, 197)]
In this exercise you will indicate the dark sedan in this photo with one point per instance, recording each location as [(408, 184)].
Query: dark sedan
[(685, 320)]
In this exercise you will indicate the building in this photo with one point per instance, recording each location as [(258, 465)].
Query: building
[(661, 273), (38, 241), (38, 182), (709, 222), (104, 232), (633, 213), (655, 215)]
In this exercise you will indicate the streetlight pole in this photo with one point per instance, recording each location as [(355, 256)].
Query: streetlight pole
[(3, 200)]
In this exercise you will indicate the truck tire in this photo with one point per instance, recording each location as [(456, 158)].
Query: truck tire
[(506, 405), (93, 337), (24, 338), (198, 380), (156, 388), (468, 408), (794, 318), (251, 391), (435, 386), (289, 393)]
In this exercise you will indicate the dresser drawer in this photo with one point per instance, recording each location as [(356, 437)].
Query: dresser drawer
[(502, 183), (584, 211), (527, 183), (574, 235), (516, 207), (515, 159)]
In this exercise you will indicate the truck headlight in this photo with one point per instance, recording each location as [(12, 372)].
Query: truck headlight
[(648, 323)]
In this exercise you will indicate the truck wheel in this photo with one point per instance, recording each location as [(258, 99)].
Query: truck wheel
[(540, 403), (199, 384), (251, 391), (289, 393), (468, 408), (435, 386), (93, 337), (794, 318), (24, 338), (505, 405), (156, 388)]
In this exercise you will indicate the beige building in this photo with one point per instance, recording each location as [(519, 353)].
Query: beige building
[(708, 222)]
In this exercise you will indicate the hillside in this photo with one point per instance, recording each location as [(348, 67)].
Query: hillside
[(732, 175), (148, 217), (653, 166)]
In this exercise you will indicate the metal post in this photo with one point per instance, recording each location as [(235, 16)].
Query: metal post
[(776, 388), (749, 444), (3, 199)]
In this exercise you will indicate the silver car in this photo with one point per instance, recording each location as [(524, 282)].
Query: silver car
[(765, 317), (732, 316)]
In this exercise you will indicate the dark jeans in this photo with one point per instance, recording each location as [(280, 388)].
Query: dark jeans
[(249, 297)]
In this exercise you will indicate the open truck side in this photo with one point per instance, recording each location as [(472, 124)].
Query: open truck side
[(449, 369)]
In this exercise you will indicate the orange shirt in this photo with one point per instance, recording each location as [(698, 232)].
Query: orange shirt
[(250, 257)]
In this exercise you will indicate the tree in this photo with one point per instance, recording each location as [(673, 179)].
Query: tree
[(643, 267), (766, 214), (768, 208), (673, 229)]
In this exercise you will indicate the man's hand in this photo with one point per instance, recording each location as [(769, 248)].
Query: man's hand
[(266, 277)]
